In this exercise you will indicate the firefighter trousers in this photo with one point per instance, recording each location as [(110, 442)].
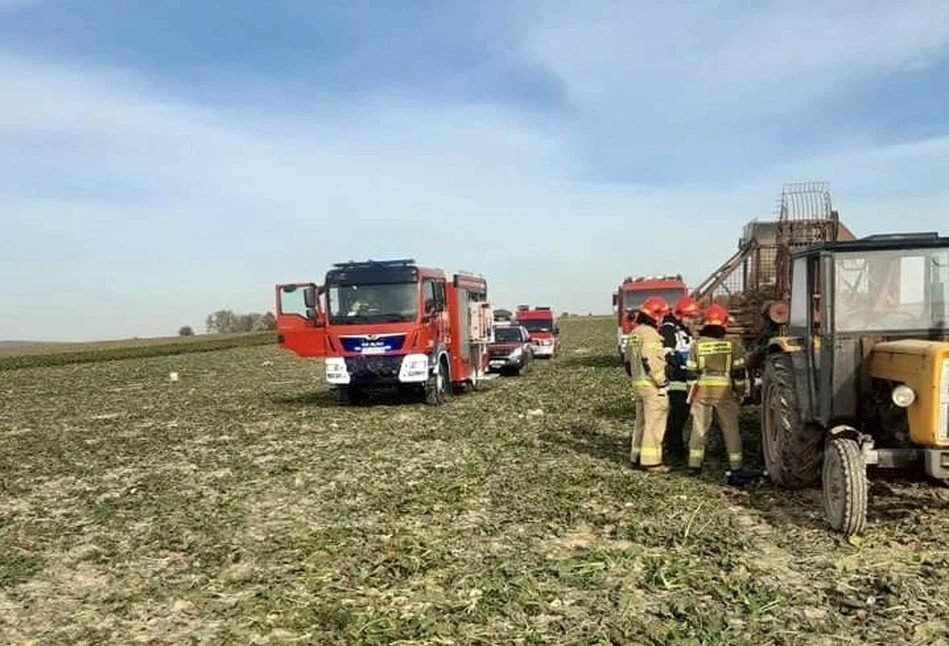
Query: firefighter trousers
[(715, 402), (673, 443), (649, 427)]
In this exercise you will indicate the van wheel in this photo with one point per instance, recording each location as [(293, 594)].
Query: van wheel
[(844, 482)]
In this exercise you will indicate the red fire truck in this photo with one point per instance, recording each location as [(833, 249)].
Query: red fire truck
[(541, 325), (631, 294), (390, 323)]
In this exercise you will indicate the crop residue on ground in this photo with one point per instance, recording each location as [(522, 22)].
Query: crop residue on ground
[(240, 505)]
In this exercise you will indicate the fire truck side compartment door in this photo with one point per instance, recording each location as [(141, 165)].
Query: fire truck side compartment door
[(301, 319)]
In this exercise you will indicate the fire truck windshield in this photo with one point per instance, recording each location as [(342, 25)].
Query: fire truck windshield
[(538, 325), (372, 303), (632, 299)]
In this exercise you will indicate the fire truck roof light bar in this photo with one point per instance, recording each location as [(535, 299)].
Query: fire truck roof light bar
[(641, 279), (404, 262)]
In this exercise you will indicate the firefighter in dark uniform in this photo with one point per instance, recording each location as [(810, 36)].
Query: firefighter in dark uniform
[(677, 339)]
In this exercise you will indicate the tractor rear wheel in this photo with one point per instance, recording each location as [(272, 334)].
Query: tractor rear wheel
[(844, 486), (792, 449)]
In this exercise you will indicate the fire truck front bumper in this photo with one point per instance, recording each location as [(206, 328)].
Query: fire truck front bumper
[(544, 347), (377, 370)]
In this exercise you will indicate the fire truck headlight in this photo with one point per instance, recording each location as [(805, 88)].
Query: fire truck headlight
[(903, 396), (336, 372), (414, 368)]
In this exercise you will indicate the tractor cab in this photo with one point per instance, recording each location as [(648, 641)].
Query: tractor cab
[(860, 376)]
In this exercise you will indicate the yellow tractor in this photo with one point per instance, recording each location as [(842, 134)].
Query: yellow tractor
[(860, 379)]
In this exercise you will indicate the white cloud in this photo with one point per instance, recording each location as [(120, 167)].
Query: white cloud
[(164, 210), (717, 62)]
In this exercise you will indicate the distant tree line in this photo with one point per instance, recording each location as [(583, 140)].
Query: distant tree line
[(230, 322), (226, 322)]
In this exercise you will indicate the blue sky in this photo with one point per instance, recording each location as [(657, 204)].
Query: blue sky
[(162, 160)]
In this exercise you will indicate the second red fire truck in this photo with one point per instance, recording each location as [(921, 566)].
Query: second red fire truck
[(541, 325), (390, 323), (633, 291)]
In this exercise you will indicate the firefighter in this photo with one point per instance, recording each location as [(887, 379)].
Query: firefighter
[(717, 365), (647, 367), (677, 338)]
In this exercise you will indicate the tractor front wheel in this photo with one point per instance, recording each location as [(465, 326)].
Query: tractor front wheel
[(844, 486), (792, 449)]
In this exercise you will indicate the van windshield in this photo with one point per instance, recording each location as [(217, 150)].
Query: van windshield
[(537, 325), (372, 303), (897, 290), (507, 334)]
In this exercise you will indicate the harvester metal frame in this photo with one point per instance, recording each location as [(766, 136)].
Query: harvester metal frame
[(754, 283)]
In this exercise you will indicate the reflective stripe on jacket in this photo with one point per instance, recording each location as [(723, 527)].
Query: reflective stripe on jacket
[(715, 360), (647, 361)]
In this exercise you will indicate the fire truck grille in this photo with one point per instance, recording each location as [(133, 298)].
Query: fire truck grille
[(374, 367)]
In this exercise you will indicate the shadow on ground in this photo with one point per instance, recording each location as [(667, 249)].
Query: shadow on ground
[(621, 410), (589, 441), (604, 361), (893, 498), (328, 399)]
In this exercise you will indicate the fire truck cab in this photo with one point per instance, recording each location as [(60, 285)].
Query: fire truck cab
[(541, 325), (390, 323), (630, 295)]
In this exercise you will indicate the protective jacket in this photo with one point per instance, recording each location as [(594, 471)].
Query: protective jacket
[(716, 362), (647, 357), (718, 365)]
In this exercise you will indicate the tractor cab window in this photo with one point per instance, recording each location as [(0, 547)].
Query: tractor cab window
[(798, 313), (891, 290)]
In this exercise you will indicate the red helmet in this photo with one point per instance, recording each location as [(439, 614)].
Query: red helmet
[(687, 306), (716, 315), (655, 307)]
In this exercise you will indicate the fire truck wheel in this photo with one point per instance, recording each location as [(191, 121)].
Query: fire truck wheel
[(435, 387)]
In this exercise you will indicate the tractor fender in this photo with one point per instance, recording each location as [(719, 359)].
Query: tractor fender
[(784, 344), (843, 430)]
